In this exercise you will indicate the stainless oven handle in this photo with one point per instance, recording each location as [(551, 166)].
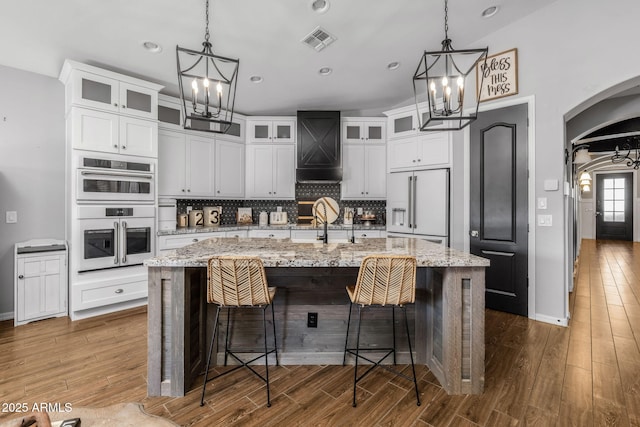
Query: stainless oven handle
[(120, 175), (124, 242), (116, 227)]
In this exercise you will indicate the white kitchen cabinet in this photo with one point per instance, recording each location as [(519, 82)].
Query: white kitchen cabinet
[(270, 234), (271, 171), (272, 129), (93, 87), (94, 130), (185, 165), (229, 169), (431, 149), (369, 130), (364, 172), (41, 281)]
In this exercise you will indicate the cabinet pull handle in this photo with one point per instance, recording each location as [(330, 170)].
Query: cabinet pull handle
[(119, 291), (21, 277)]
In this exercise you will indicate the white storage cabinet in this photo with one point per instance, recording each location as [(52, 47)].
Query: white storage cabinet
[(41, 280)]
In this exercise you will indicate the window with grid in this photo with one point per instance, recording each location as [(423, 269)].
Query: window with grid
[(614, 199)]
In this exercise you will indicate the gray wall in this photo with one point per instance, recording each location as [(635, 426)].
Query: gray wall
[(32, 148), (565, 57)]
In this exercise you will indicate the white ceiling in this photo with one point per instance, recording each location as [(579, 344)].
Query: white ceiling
[(37, 35)]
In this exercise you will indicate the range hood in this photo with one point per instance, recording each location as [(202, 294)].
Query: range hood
[(319, 159)]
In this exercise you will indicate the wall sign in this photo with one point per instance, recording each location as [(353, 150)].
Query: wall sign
[(500, 75)]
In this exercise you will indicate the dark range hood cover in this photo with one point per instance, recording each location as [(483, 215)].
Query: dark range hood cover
[(319, 159)]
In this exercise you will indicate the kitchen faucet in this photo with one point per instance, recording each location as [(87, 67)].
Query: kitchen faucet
[(325, 236)]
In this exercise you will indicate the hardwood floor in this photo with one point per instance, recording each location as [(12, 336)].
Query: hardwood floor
[(536, 374)]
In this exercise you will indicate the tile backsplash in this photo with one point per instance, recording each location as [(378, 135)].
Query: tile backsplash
[(303, 192)]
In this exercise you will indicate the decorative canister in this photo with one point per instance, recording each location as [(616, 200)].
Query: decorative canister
[(212, 216), (264, 218), (183, 220), (196, 218)]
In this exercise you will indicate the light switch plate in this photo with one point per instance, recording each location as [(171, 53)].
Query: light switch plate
[(551, 185), (12, 217), (542, 203), (545, 220)]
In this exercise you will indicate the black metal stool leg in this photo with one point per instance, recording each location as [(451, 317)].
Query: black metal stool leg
[(393, 330), (346, 340), (413, 368), (213, 339), (355, 369), (226, 337), (266, 354), (275, 341)]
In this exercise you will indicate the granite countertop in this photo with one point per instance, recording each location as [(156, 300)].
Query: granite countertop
[(285, 253), (191, 230)]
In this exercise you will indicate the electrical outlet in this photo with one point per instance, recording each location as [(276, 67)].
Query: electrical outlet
[(360, 211), (312, 320)]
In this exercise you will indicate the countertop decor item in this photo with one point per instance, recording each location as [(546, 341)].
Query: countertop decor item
[(442, 75), (196, 218), (244, 216), (325, 209), (212, 216), (198, 72)]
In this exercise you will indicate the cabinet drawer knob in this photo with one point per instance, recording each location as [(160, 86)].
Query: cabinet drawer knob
[(188, 190), (183, 190), (124, 147), (271, 235), (115, 145), (363, 235), (115, 104), (119, 291), (21, 277), (218, 191), (194, 240), (124, 106), (414, 160), (419, 160)]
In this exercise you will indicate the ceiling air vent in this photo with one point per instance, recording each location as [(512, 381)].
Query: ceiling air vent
[(318, 39)]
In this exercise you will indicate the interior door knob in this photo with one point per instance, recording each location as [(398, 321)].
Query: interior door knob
[(474, 233)]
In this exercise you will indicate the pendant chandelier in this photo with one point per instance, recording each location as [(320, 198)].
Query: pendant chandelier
[(630, 161), (207, 85), (443, 76)]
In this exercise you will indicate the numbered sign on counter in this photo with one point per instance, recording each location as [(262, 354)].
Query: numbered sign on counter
[(212, 216), (500, 73)]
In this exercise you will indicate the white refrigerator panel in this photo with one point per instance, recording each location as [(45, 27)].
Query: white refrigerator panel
[(431, 202), (399, 188), (418, 202)]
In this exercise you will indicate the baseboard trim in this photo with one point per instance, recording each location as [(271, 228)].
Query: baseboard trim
[(552, 320), (6, 316)]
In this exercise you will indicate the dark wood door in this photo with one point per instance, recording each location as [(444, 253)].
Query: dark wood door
[(614, 206), (499, 205)]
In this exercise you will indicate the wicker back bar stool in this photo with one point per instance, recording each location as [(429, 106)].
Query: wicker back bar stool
[(383, 281), (239, 282)]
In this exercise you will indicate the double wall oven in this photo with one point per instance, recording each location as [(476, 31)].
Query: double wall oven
[(115, 212)]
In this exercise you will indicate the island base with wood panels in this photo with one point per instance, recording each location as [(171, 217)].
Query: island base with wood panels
[(446, 321)]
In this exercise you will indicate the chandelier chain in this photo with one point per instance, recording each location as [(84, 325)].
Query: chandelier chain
[(206, 32), (446, 19)]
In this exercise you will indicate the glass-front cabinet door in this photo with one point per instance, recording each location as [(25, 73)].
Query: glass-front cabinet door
[(138, 101), (96, 91)]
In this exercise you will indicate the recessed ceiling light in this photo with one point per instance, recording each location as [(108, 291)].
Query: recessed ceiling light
[(393, 65), (255, 79), (320, 6), (490, 11), (325, 71), (152, 47)]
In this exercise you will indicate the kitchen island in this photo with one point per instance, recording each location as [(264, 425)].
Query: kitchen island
[(447, 318)]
